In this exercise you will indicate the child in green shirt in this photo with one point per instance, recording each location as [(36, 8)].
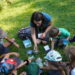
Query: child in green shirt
[(59, 37)]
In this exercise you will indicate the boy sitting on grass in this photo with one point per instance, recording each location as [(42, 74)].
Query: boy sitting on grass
[(3, 36), (59, 37)]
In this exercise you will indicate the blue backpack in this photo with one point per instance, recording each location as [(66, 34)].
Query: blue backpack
[(6, 68)]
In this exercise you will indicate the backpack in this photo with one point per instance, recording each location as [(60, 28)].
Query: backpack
[(24, 33), (6, 68)]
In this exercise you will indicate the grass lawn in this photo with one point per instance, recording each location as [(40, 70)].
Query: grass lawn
[(17, 15)]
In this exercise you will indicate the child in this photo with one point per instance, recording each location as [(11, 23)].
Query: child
[(3, 36), (54, 63), (9, 65), (32, 68), (71, 54), (60, 37)]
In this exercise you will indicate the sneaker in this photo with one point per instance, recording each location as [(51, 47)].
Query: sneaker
[(72, 39)]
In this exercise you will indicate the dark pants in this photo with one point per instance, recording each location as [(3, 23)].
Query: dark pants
[(72, 39), (54, 72), (59, 43), (3, 50)]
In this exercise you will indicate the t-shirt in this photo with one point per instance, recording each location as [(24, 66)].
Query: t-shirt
[(32, 69), (73, 71), (46, 21), (63, 34)]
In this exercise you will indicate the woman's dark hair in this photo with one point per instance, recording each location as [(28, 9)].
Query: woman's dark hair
[(53, 32), (37, 16)]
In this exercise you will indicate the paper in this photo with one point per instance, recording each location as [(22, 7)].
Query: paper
[(46, 48), (39, 35)]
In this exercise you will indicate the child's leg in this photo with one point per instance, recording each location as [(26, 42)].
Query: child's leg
[(6, 44)]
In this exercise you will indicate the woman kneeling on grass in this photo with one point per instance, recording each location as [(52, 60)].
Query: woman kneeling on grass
[(40, 25)]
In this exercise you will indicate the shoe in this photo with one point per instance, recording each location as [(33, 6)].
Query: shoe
[(72, 39)]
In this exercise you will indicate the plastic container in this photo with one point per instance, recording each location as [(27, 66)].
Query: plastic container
[(39, 62), (27, 43)]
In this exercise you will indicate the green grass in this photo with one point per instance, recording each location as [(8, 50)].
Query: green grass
[(17, 15)]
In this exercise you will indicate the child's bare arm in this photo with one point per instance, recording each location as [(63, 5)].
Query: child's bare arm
[(52, 44), (12, 41), (12, 53), (9, 40), (21, 65), (26, 62)]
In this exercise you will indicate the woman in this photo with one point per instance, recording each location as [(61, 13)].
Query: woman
[(40, 25)]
